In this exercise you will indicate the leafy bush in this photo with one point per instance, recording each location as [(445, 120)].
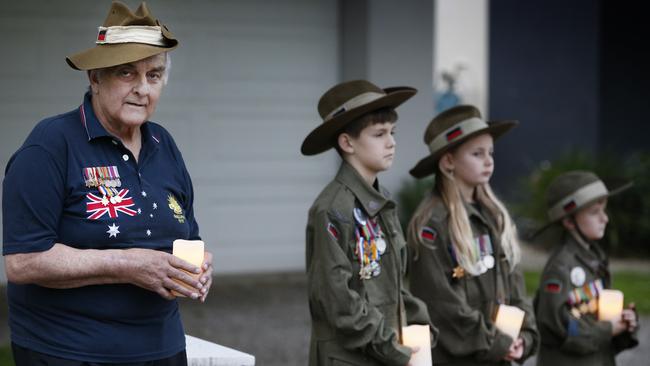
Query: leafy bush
[(628, 233), (410, 196), (629, 230)]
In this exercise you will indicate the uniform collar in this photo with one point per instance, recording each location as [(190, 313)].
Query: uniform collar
[(591, 256), (89, 121), (94, 128), (370, 198), (440, 212), (472, 210)]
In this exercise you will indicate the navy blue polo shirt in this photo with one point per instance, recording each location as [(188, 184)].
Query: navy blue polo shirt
[(73, 183)]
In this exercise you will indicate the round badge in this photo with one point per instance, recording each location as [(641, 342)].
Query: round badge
[(578, 276), (112, 199), (381, 245), (359, 216), (488, 260), (482, 268), (118, 199)]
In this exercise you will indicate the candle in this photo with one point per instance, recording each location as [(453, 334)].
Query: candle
[(610, 304), (418, 336), (509, 320), (191, 251)]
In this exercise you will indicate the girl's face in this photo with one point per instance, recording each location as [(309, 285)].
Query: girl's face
[(472, 162), (592, 220)]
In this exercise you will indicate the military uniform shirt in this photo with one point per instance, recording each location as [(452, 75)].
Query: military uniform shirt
[(356, 321), (49, 197), (463, 307), (566, 316)]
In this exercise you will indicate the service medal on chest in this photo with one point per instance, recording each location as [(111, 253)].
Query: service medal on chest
[(482, 268), (488, 260), (381, 245), (578, 276)]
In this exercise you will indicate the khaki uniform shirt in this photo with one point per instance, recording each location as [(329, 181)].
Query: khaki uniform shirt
[(566, 308), (463, 307), (356, 321)]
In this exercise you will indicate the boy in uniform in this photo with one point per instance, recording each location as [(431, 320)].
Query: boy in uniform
[(356, 253), (567, 300)]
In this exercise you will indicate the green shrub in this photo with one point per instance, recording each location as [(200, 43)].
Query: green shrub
[(409, 197), (629, 230), (6, 358), (628, 233)]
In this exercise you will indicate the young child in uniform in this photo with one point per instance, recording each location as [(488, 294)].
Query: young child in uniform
[(356, 252), (464, 245), (567, 300)]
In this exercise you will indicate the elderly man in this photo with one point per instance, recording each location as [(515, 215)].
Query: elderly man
[(92, 202)]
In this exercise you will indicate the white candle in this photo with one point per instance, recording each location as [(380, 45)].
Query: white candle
[(418, 336), (191, 251), (509, 320), (610, 304)]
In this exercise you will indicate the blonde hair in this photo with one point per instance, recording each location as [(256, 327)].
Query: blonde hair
[(460, 231)]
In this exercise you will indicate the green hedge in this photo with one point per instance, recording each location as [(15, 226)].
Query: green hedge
[(6, 359), (628, 232)]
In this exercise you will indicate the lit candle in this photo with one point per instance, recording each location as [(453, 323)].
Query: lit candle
[(418, 336), (610, 304), (509, 320), (191, 251)]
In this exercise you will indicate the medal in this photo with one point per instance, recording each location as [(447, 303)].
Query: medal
[(365, 273), (482, 268), (359, 216), (381, 245), (488, 260), (593, 306), (578, 276), (576, 313), (375, 269), (459, 272)]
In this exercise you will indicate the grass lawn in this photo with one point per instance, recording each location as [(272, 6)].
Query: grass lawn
[(5, 356), (635, 286)]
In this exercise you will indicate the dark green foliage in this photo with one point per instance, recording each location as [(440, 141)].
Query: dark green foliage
[(410, 196), (628, 232), (6, 359)]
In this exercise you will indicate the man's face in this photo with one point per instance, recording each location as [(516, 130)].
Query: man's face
[(126, 95)]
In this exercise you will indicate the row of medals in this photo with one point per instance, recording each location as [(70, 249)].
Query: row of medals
[(369, 250), (109, 193)]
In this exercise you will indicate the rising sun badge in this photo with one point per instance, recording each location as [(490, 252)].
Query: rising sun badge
[(174, 206)]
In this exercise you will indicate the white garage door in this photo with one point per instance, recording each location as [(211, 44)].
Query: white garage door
[(242, 94)]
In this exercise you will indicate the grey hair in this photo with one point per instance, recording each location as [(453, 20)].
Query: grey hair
[(101, 72)]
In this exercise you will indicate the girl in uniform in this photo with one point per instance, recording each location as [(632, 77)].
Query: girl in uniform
[(464, 250)]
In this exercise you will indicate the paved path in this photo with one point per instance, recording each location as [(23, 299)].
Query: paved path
[(268, 316)]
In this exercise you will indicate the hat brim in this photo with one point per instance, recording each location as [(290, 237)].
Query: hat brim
[(320, 139), (610, 193), (428, 165), (108, 55)]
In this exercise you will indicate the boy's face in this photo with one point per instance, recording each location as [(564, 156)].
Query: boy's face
[(373, 151), (592, 220)]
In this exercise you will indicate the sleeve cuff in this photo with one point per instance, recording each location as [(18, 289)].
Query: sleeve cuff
[(500, 346)]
